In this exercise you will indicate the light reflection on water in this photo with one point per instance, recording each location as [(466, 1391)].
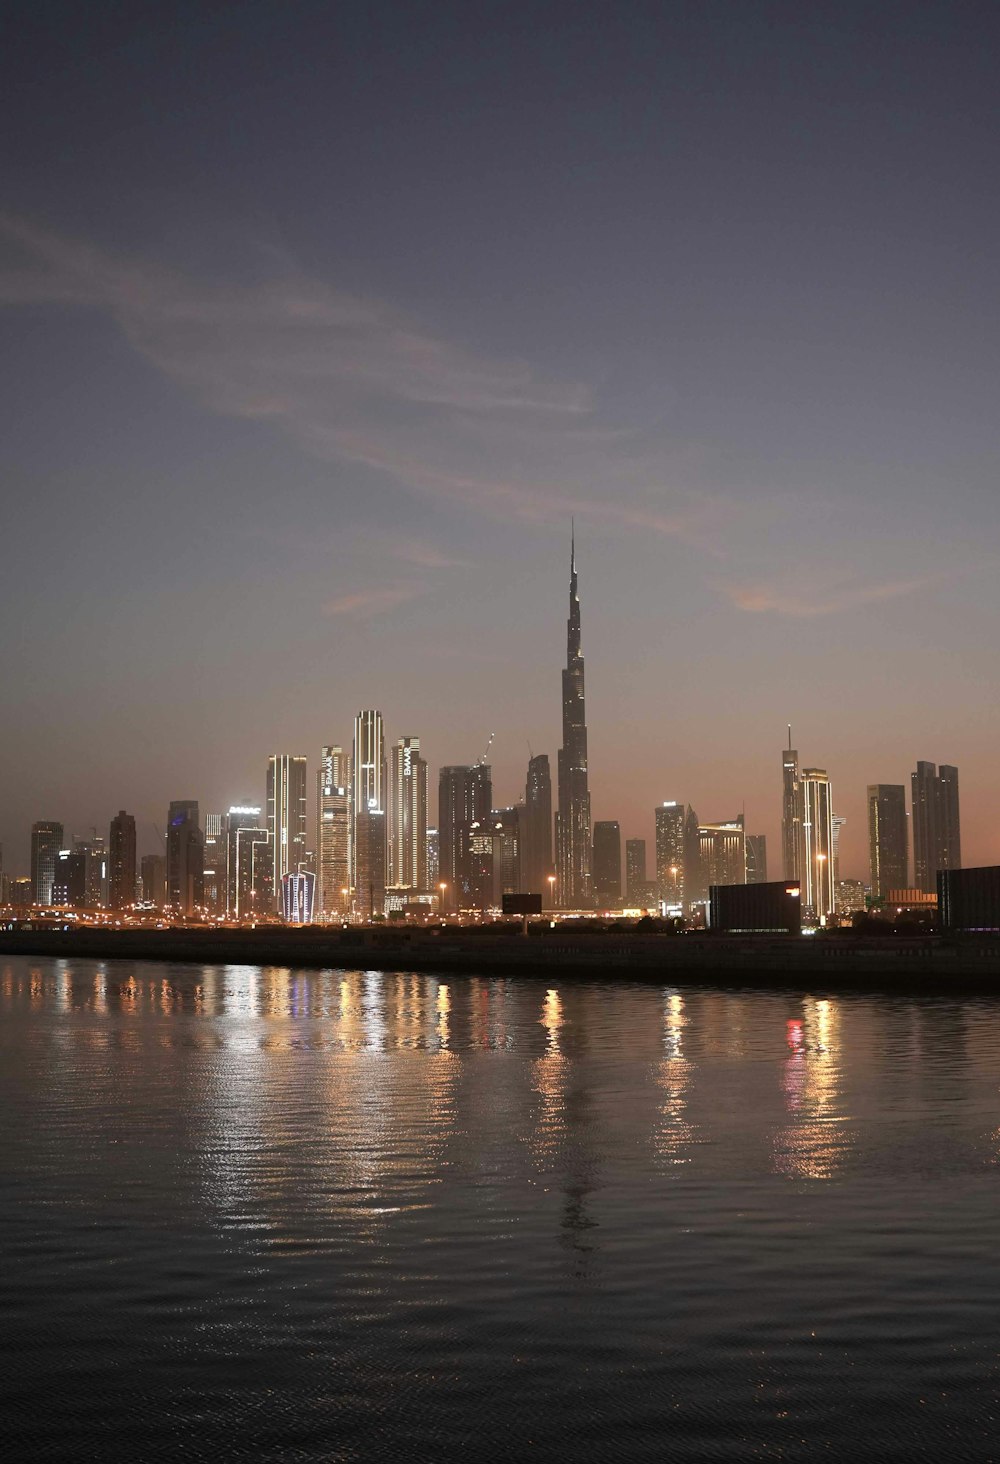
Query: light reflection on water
[(358, 1215)]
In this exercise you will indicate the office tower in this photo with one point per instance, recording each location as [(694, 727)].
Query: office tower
[(20, 890), (408, 816), (433, 859), (573, 836), (816, 878), (937, 842), (95, 857), (69, 879), (695, 887), (286, 816), (887, 840), (849, 896), (607, 864), (369, 862), (536, 828), (671, 822), (465, 798), (506, 824), (240, 816), (756, 859), (185, 855), (791, 812), (250, 869), (635, 871), (722, 855), (333, 835), (298, 893), (214, 864), (153, 879), (46, 841), (838, 823), (121, 861)]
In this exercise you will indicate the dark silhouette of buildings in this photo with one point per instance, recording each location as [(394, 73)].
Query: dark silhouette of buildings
[(573, 833), (185, 856), (536, 827), (887, 838), (635, 871), (937, 842), (121, 861), (465, 799), (756, 859), (608, 863)]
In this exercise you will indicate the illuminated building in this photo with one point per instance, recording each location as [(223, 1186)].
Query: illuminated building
[(756, 859), (887, 838), (671, 820), (849, 896), (607, 866), (121, 861), (153, 879), (937, 842), (286, 816), (46, 841), (240, 816), (369, 862), (722, 856), (817, 845), (465, 797), (95, 856), (251, 871), (635, 871), (838, 823), (536, 827), (791, 812), (574, 850), (433, 859), (69, 879), (408, 816), (185, 853), (20, 890), (298, 892), (507, 848), (333, 833), (214, 879), (368, 773)]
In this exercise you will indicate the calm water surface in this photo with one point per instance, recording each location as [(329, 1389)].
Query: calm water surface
[(259, 1213)]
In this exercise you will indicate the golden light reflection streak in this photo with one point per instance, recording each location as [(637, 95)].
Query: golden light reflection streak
[(815, 1145), (443, 1021), (549, 1078), (674, 1131)]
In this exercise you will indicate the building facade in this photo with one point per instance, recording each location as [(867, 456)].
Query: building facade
[(536, 827), (607, 864), (46, 841), (888, 859), (937, 841), (185, 855), (286, 817), (408, 816), (671, 823), (465, 799), (121, 861), (574, 849)]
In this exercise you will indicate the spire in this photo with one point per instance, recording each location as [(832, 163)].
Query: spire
[(573, 624)]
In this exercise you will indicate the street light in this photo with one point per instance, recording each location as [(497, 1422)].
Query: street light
[(552, 892), (442, 887)]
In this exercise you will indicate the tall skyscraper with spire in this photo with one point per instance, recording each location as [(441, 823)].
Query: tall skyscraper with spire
[(574, 853)]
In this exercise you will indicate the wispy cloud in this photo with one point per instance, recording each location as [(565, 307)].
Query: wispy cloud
[(354, 380), (804, 602), (361, 604)]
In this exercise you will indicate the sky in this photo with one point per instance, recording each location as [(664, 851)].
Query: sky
[(319, 323)]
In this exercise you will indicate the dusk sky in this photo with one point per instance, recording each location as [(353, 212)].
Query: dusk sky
[(321, 321)]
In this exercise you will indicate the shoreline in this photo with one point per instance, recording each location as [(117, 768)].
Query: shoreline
[(929, 962)]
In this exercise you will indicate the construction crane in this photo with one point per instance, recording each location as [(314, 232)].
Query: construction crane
[(482, 761)]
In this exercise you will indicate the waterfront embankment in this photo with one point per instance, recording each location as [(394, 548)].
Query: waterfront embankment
[(837, 959)]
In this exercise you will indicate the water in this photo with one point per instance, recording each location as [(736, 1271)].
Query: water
[(278, 1215)]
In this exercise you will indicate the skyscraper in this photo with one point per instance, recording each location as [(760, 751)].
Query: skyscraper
[(573, 835), (887, 841), (46, 841), (670, 831), (250, 870), (69, 882), (240, 877), (333, 833), (286, 817), (816, 879), (185, 853), (791, 812), (153, 879), (635, 871), (408, 816), (723, 855), (465, 798), (607, 863), (368, 776), (756, 859), (121, 871), (536, 828), (937, 842), (214, 882), (369, 862)]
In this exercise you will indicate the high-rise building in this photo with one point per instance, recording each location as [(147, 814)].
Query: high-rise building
[(465, 798), (670, 849), (607, 864), (635, 871), (887, 839), (507, 849), (250, 870), (121, 861), (937, 841), (286, 816), (838, 823), (433, 859), (69, 881), (298, 893), (574, 850), (722, 855), (816, 878), (791, 812), (214, 864), (756, 859), (185, 856), (95, 855), (408, 816), (536, 828), (369, 862), (153, 879), (46, 841), (333, 834), (240, 816)]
